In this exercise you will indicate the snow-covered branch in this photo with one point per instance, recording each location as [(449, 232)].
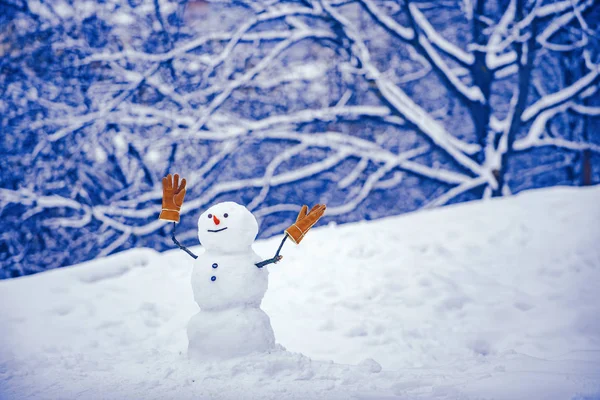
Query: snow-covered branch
[(232, 39), (560, 23), (556, 142), (562, 96), (424, 41), (402, 103), (273, 104), (456, 191), (250, 74), (456, 53)]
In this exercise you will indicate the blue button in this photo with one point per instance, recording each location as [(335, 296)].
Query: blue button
[(215, 265), (213, 278)]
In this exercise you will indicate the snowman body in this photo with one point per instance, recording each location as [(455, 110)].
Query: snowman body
[(222, 281), (228, 288)]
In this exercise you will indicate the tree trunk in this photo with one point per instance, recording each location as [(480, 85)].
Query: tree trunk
[(525, 56), (586, 168), (586, 155), (482, 78)]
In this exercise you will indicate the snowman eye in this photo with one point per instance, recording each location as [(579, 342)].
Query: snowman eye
[(209, 216), (226, 215)]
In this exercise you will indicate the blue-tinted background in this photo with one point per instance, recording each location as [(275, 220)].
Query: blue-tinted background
[(376, 108)]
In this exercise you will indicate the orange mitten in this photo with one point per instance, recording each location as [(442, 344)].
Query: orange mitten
[(304, 222), (173, 194)]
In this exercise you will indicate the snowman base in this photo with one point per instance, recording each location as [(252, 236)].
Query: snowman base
[(229, 333)]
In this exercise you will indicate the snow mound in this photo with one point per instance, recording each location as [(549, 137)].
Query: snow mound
[(495, 300)]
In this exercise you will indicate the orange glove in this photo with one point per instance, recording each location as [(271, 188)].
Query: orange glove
[(304, 222), (173, 194)]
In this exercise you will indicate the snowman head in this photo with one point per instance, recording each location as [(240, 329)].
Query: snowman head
[(227, 227)]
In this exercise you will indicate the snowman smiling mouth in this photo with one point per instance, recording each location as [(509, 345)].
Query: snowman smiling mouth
[(217, 230)]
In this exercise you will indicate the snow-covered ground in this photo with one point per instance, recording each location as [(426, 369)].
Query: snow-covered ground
[(494, 300)]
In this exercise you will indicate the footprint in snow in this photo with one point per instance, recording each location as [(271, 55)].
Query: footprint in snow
[(523, 306), (63, 309), (150, 314), (453, 303), (327, 326), (357, 331), (109, 324), (425, 282), (480, 346)]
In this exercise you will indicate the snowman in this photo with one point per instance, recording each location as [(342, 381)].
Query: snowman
[(229, 280)]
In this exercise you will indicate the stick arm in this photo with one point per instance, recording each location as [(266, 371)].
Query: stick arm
[(275, 258), (182, 247)]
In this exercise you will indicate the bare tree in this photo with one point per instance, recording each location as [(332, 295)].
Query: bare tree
[(373, 107)]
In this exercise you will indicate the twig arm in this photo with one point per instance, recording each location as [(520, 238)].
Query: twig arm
[(182, 247), (275, 258)]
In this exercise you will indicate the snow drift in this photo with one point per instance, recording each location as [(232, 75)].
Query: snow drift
[(495, 299)]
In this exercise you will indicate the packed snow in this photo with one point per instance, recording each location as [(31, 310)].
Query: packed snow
[(228, 287), (496, 300)]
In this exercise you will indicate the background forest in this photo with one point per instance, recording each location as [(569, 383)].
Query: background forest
[(376, 108)]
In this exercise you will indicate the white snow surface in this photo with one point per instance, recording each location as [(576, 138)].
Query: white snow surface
[(232, 332), (497, 299)]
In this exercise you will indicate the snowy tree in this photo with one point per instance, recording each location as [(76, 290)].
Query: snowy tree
[(373, 107)]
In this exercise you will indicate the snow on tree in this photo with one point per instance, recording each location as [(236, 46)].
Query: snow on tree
[(373, 107)]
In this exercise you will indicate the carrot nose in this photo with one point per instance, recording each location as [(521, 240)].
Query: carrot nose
[(217, 222)]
